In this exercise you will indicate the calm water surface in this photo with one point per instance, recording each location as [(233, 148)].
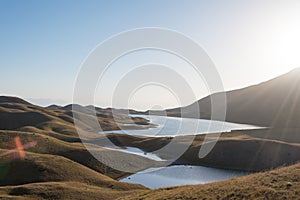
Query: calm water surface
[(172, 126), (179, 174)]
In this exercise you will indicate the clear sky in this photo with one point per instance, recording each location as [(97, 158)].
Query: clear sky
[(43, 43)]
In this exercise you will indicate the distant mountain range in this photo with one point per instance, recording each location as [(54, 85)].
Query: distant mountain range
[(274, 103)]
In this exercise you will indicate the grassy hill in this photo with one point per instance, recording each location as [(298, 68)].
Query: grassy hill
[(58, 166), (273, 103), (246, 150), (52, 168), (281, 183)]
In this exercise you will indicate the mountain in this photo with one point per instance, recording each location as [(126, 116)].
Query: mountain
[(7, 99), (54, 107), (274, 103)]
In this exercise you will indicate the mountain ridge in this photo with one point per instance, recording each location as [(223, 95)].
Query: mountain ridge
[(270, 104)]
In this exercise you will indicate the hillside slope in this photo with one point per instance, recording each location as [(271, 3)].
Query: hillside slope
[(273, 103), (54, 163), (282, 183)]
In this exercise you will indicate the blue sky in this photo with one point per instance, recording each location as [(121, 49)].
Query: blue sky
[(43, 43)]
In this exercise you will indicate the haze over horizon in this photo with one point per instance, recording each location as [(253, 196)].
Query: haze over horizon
[(249, 42), (58, 102)]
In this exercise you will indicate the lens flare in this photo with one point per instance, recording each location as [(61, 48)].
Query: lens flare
[(20, 148)]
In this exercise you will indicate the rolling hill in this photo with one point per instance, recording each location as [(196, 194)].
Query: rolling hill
[(57, 165)]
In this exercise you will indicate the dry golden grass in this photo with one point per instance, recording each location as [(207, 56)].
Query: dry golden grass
[(49, 168), (62, 190), (253, 150), (59, 166), (282, 183)]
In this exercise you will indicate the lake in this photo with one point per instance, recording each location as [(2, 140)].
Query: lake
[(180, 175), (177, 175), (172, 126)]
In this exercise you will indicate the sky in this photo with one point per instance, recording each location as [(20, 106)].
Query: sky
[(44, 43)]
